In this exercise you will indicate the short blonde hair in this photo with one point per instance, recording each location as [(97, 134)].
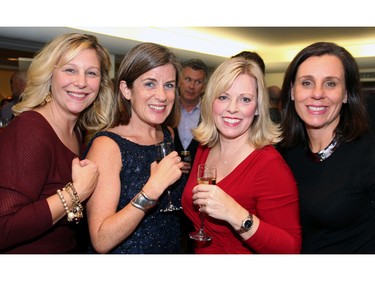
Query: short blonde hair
[(263, 130)]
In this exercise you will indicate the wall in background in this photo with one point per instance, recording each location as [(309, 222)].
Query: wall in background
[(274, 79), (5, 83)]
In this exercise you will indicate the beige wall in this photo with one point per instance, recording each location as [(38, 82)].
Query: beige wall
[(274, 79), (4, 83)]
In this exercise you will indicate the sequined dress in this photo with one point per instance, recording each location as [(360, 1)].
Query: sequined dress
[(158, 232)]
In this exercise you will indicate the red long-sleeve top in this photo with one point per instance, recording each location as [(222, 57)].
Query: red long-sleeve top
[(265, 186)]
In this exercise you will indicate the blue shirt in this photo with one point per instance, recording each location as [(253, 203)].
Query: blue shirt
[(189, 121)]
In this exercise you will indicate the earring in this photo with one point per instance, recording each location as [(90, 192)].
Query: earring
[(48, 98)]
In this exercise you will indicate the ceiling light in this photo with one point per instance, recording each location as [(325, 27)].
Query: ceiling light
[(176, 37)]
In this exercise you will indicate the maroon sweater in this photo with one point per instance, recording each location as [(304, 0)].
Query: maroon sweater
[(34, 164)]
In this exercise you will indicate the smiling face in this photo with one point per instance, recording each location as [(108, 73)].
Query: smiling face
[(319, 92), (153, 94), (234, 109), (75, 85)]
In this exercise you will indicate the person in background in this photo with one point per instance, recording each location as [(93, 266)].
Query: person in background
[(253, 56), (253, 208), (192, 84), (17, 86), (327, 146), (5, 101), (124, 212), (43, 184), (274, 93)]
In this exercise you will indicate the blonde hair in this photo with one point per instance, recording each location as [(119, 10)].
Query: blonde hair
[(58, 52), (262, 130)]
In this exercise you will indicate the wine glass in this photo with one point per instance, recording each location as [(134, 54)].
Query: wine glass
[(163, 149), (206, 175)]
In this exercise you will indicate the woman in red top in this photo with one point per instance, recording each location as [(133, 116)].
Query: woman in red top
[(253, 208)]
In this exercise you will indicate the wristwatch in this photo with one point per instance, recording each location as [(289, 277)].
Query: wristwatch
[(246, 224)]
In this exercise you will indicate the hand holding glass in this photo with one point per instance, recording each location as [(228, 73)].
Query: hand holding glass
[(206, 175), (163, 149)]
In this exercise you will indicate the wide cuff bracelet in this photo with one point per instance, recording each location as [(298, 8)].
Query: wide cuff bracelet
[(143, 202)]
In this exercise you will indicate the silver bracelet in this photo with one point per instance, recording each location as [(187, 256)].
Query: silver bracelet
[(143, 202)]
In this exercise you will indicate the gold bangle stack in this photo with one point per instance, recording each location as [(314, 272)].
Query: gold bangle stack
[(76, 213)]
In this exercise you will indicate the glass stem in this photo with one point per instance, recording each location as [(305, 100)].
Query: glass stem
[(169, 196), (201, 214)]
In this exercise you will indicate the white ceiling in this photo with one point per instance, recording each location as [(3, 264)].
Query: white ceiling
[(276, 45)]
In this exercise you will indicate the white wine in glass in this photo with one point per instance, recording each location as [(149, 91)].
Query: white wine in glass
[(206, 175)]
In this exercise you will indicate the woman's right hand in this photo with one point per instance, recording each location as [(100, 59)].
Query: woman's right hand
[(163, 174), (85, 176)]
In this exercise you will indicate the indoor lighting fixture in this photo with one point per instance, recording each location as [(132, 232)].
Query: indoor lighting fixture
[(176, 37)]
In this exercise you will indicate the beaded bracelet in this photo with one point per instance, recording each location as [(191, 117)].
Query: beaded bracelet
[(76, 213), (64, 203), (77, 206)]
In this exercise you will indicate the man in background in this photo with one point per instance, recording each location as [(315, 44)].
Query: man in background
[(192, 84), (17, 85), (191, 88)]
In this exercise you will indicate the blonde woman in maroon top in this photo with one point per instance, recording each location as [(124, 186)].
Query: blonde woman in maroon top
[(43, 184)]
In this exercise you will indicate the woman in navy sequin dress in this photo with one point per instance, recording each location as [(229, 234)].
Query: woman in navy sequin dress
[(145, 111)]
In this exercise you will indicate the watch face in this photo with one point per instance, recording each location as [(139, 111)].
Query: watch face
[(248, 223)]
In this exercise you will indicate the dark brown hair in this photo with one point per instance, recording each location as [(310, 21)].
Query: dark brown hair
[(137, 61), (353, 115), (254, 56)]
